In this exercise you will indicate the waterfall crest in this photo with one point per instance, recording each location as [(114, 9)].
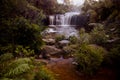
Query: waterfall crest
[(69, 18)]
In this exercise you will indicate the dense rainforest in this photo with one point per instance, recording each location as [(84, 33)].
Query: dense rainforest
[(24, 48)]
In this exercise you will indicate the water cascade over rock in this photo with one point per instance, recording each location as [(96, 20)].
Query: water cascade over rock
[(69, 18), (65, 23)]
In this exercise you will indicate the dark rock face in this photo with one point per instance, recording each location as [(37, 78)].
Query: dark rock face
[(80, 20), (45, 21)]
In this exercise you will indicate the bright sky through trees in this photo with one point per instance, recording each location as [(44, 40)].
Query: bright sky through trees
[(74, 2)]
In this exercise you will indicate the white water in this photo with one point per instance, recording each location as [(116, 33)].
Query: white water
[(63, 19), (68, 17), (51, 19), (65, 23)]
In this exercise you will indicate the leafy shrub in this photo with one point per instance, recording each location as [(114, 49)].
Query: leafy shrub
[(84, 37), (14, 68), (98, 35), (73, 39), (6, 49), (20, 31), (113, 58), (44, 74), (6, 57), (18, 68), (20, 51), (89, 58), (59, 38), (22, 69)]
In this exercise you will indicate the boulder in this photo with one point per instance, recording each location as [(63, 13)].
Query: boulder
[(47, 51), (63, 43), (49, 41)]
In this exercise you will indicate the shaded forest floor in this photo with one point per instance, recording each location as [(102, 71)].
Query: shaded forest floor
[(65, 70)]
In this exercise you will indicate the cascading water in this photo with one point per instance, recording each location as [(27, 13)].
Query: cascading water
[(51, 19), (64, 23), (64, 19), (69, 16)]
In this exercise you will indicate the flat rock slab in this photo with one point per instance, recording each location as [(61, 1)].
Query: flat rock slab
[(49, 41), (51, 50)]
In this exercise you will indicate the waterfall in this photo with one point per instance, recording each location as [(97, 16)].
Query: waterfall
[(51, 19), (69, 16), (64, 19), (64, 23)]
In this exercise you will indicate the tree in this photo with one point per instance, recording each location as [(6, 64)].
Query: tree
[(19, 31)]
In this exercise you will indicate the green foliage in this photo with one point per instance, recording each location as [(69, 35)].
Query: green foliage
[(6, 57), (113, 58), (11, 68), (73, 39), (89, 58), (20, 32), (44, 74), (98, 35), (100, 10), (59, 38), (52, 6), (18, 70), (93, 15), (6, 49), (22, 69), (84, 37), (23, 52), (12, 8)]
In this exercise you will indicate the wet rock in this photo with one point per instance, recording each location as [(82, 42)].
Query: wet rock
[(50, 50), (67, 49), (74, 63), (63, 43), (49, 41)]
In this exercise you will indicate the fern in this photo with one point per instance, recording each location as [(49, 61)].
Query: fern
[(18, 67), (21, 61), (5, 57), (18, 70), (23, 52), (11, 68), (44, 74), (22, 69)]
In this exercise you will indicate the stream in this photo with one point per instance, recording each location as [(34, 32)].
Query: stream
[(62, 65)]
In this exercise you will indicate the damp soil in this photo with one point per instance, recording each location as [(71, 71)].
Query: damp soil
[(65, 70)]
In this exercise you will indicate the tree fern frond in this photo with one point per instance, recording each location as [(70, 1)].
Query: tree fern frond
[(21, 61), (18, 70), (17, 67)]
